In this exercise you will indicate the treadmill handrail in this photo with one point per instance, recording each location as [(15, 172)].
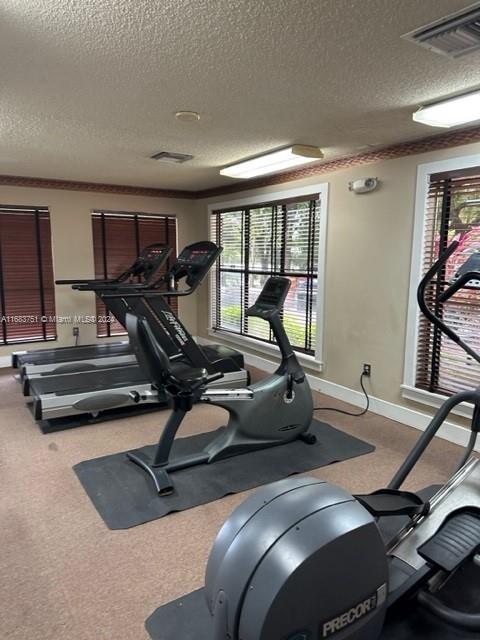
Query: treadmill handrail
[(87, 281), (151, 294), (140, 260), (113, 286)]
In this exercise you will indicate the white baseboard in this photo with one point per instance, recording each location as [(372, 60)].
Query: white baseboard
[(449, 431)]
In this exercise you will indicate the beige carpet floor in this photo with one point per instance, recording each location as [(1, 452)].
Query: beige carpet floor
[(64, 575)]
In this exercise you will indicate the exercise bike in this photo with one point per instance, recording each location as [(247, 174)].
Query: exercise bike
[(302, 559), (274, 411)]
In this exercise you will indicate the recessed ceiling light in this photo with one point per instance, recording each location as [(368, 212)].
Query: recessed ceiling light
[(450, 112), (293, 156), (187, 116)]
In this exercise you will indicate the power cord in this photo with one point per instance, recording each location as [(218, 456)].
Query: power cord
[(349, 413)]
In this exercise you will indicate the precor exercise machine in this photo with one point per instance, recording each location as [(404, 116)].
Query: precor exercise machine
[(302, 559), (342, 577), (274, 411), (141, 273), (89, 393)]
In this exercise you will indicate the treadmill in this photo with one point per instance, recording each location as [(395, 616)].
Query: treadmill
[(62, 360), (91, 393)]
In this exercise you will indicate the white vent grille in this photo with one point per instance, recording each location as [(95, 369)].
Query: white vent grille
[(171, 157), (453, 36)]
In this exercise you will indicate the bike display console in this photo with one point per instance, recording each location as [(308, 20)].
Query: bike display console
[(271, 298)]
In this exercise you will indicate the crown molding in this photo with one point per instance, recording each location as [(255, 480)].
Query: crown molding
[(424, 145), (71, 185)]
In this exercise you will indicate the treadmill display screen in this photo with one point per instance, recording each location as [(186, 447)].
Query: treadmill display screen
[(156, 254), (197, 254), (198, 257)]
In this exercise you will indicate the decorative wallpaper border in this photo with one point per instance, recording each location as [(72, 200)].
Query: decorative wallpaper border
[(413, 147), (70, 185), (424, 145)]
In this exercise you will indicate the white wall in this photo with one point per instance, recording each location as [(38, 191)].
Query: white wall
[(368, 259), (369, 244)]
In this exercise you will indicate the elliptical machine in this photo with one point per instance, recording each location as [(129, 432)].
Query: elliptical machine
[(343, 577), (274, 411), (302, 559)]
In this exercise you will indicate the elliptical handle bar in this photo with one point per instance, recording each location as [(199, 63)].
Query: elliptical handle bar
[(435, 320), (432, 429)]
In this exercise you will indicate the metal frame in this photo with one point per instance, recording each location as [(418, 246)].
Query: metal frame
[(35, 371), (50, 405)]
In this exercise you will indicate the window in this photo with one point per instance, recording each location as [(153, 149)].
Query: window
[(27, 294), (118, 238), (452, 211), (277, 237)]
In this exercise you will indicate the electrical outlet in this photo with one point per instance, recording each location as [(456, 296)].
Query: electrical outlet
[(367, 369), (76, 331)]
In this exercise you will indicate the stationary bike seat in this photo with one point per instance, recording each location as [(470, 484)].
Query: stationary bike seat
[(221, 354), (187, 374)]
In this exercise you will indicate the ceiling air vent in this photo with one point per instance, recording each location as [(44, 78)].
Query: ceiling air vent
[(172, 158), (453, 36)]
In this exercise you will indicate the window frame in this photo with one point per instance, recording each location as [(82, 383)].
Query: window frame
[(408, 389), (314, 361), (135, 217), (35, 211)]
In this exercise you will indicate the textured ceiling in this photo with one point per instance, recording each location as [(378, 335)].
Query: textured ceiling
[(89, 88)]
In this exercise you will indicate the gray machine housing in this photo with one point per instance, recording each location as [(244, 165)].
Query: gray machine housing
[(274, 411), (260, 415), (273, 558)]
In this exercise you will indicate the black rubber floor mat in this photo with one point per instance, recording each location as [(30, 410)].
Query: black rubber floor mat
[(188, 618), (124, 496)]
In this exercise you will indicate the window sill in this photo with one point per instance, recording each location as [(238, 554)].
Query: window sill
[(465, 410), (262, 347)]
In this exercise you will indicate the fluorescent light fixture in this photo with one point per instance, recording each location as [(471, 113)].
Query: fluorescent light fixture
[(275, 161), (451, 112)]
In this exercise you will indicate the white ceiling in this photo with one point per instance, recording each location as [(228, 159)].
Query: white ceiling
[(89, 88)]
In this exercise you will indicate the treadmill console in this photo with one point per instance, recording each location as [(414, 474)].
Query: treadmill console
[(194, 262), (150, 260), (146, 266), (471, 265), (271, 298)]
